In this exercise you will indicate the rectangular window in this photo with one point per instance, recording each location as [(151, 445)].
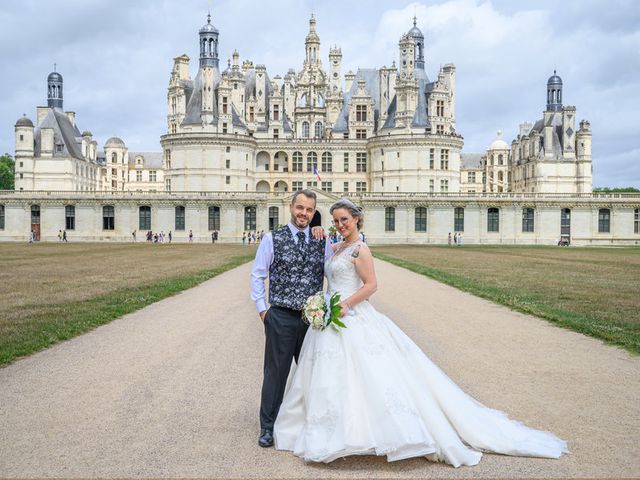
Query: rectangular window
[(346, 162), (636, 220), (144, 218), (439, 128), (2, 217), (225, 106), (444, 186), (228, 149), (179, 218), (296, 185), (214, 218), (389, 219), (327, 162), (527, 220), (227, 180), (326, 186), (139, 176), (312, 184), (432, 157), (444, 159), (471, 177), (345, 135), (361, 187), (70, 217), (227, 163), (108, 217), (421, 219), (21, 138), (345, 187), (250, 218), (458, 219), (152, 175), (251, 114), (493, 220), (361, 113), (604, 220), (432, 187), (276, 112), (224, 128), (361, 162), (440, 108), (361, 134), (276, 133)]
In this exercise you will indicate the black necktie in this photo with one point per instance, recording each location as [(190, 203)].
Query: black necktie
[(302, 244)]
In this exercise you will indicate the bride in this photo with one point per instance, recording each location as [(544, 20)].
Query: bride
[(369, 390)]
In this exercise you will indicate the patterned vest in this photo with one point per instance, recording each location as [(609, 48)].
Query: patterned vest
[(295, 275)]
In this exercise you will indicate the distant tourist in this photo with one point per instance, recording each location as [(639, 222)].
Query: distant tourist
[(64, 236), (244, 238), (215, 236), (170, 236), (133, 234), (459, 239), (32, 236), (449, 239), (455, 238), (190, 236), (59, 235)]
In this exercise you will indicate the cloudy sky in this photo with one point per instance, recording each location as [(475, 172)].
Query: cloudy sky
[(116, 57)]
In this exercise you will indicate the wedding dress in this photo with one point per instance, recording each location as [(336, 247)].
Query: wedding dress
[(369, 390)]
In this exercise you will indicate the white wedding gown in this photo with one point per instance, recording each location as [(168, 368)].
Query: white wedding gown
[(369, 390)]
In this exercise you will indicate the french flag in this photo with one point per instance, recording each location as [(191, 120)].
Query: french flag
[(315, 172)]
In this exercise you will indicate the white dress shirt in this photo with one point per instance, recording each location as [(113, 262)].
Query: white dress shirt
[(264, 258)]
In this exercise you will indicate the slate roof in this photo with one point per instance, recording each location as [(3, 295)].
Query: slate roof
[(470, 160), (64, 133), (150, 159)]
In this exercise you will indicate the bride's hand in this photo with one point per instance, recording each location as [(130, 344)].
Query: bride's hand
[(344, 308), (318, 233)]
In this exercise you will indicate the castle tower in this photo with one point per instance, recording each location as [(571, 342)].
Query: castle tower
[(418, 39), (554, 93), (312, 43), (209, 44), (54, 90)]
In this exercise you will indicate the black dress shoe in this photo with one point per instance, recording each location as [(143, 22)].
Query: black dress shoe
[(266, 438)]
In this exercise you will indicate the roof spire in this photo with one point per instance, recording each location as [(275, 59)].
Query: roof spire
[(55, 65)]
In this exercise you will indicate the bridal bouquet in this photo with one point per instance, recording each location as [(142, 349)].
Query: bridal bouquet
[(321, 310)]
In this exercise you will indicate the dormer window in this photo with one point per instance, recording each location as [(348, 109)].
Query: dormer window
[(361, 113)]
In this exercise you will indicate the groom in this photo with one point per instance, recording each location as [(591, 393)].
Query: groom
[(294, 262)]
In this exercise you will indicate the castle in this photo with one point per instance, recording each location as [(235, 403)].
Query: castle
[(239, 141)]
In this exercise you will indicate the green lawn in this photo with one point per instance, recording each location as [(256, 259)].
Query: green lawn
[(53, 292), (595, 291)]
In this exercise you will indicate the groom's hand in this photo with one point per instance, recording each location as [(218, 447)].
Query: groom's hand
[(262, 315)]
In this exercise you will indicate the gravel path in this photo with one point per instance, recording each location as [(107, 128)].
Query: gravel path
[(173, 391)]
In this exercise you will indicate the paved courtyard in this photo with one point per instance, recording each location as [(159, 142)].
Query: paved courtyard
[(173, 390)]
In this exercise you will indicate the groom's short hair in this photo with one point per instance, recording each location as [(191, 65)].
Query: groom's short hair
[(306, 193)]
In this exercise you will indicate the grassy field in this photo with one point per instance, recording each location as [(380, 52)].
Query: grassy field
[(595, 291), (52, 292)]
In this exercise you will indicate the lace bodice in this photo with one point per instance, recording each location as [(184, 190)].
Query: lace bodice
[(341, 272)]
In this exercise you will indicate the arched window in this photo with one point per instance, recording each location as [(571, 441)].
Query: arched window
[(114, 157), (179, 217), (296, 163), (421, 219), (500, 160), (214, 218), (604, 220), (389, 219), (527, 220), (144, 217), (318, 130), (250, 218), (458, 219), (312, 159), (493, 220), (500, 176), (108, 217), (70, 217), (327, 162), (305, 129)]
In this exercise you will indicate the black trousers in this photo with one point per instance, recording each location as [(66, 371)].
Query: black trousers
[(284, 332)]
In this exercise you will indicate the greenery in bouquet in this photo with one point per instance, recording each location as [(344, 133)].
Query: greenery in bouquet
[(321, 310)]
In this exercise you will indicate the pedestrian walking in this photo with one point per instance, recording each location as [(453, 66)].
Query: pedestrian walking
[(64, 236), (213, 240), (455, 238), (215, 236), (190, 236), (459, 239), (170, 236), (32, 236), (133, 234), (244, 238), (449, 239), (59, 235)]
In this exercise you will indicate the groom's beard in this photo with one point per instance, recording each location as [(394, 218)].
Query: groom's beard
[(301, 222)]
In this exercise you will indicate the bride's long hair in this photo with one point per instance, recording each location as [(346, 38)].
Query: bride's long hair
[(351, 207)]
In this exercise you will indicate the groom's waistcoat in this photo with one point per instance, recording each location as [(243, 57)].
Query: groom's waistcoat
[(294, 275)]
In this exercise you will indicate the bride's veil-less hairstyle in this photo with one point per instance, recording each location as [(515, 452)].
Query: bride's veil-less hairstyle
[(351, 207)]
